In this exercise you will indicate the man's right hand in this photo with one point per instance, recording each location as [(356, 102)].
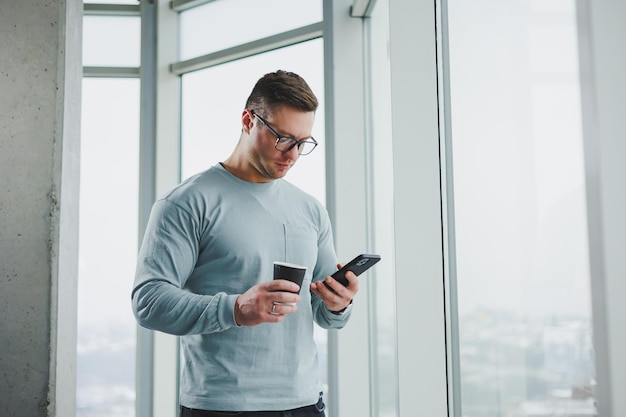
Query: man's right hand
[(258, 304)]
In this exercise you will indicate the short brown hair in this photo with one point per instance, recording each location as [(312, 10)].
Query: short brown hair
[(281, 88)]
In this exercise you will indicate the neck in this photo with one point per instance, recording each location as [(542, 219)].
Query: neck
[(239, 168)]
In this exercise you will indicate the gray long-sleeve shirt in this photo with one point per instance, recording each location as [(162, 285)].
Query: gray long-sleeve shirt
[(209, 240)]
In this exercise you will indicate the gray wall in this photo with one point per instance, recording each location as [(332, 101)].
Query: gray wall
[(40, 79)]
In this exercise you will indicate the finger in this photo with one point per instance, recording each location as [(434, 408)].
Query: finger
[(274, 318), (284, 297), (336, 288), (314, 290), (353, 281), (332, 300), (274, 310), (324, 292), (282, 285), (281, 309)]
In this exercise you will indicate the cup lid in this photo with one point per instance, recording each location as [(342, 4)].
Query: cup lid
[(289, 265)]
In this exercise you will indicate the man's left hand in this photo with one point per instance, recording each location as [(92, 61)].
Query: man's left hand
[(342, 295)]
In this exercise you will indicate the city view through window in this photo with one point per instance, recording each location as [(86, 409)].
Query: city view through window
[(521, 233)]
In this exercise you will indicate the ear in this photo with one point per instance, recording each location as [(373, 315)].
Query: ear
[(247, 120)]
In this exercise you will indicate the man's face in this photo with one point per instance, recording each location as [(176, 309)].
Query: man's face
[(266, 162)]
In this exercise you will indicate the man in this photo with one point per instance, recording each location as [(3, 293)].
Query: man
[(205, 268)]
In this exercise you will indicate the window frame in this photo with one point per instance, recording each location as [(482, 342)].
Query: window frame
[(419, 212), (144, 370)]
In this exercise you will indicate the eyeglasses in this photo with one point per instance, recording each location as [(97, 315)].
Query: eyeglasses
[(286, 143)]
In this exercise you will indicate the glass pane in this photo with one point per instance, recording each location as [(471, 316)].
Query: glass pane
[(107, 248), (211, 27), (383, 286), (212, 102), (521, 236), (111, 41)]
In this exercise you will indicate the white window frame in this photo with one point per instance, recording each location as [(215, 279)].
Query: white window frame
[(422, 377)]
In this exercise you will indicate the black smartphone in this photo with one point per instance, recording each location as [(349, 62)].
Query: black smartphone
[(358, 265)]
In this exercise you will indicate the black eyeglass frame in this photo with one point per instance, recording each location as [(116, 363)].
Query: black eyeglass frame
[(286, 139)]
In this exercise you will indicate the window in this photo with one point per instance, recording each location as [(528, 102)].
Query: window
[(213, 100), (103, 46), (382, 281), (107, 247), (108, 224), (520, 216), (204, 29)]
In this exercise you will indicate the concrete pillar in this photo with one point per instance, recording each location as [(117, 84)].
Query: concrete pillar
[(40, 79)]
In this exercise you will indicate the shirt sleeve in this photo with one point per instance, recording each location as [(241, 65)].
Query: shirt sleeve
[(326, 265), (166, 259)]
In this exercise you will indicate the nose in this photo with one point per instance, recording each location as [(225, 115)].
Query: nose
[(292, 153)]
